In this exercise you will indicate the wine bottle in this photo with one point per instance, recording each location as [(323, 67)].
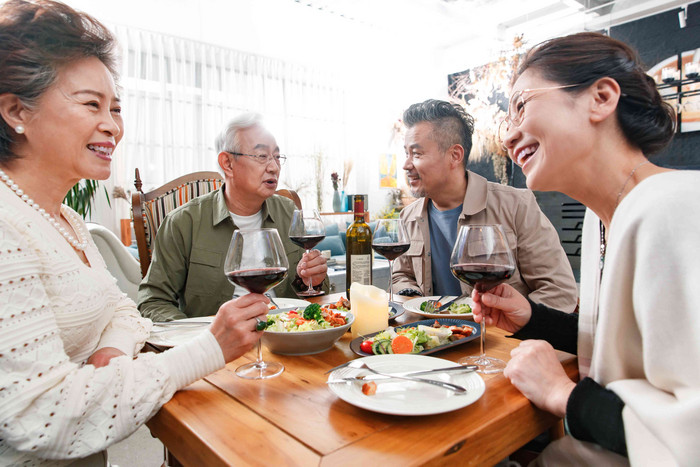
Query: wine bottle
[(358, 254)]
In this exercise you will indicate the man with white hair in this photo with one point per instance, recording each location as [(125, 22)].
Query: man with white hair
[(186, 276)]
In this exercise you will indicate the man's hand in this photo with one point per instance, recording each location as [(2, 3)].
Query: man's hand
[(102, 356), (312, 268), (234, 326)]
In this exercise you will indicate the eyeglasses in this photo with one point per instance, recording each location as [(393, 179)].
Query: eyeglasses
[(516, 109), (263, 159)]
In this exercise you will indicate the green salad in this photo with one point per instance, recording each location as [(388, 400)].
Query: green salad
[(454, 309), (313, 318)]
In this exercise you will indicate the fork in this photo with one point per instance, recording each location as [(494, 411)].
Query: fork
[(272, 300), (452, 387), (432, 305)]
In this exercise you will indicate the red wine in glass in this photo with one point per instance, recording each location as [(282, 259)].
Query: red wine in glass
[(483, 277), (391, 251), (390, 240), (307, 230), (257, 280), (256, 260), (482, 258), (307, 242)]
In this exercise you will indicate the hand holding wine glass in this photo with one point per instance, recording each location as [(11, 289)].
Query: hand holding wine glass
[(502, 306), (482, 258), (256, 261), (307, 230), (390, 240)]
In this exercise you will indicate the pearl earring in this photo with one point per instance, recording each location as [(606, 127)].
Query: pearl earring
[(19, 129)]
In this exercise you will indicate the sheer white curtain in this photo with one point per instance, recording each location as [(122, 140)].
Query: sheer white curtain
[(177, 94)]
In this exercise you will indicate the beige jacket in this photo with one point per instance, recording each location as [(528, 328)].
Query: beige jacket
[(542, 272)]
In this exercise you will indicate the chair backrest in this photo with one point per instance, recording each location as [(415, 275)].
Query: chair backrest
[(149, 209)]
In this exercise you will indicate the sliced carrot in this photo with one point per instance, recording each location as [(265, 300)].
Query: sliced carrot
[(401, 344)]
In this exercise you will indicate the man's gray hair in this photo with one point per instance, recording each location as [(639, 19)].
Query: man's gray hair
[(227, 141)]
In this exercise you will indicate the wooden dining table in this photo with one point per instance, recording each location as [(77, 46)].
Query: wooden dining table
[(295, 419)]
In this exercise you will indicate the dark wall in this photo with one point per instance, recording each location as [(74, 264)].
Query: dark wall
[(657, 38)]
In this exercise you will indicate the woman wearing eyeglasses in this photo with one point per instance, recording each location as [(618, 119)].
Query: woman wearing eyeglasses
[(583, 118)]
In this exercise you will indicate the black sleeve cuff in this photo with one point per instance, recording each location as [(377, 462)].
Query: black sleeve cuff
[(594, 414), (556, 327)]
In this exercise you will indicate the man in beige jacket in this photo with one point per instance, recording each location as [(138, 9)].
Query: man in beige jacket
[(437, 144)]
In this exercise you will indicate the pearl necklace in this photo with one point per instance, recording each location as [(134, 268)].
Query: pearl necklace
[(79, 244)]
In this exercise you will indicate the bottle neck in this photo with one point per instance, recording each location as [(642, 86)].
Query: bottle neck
[(359, 210)]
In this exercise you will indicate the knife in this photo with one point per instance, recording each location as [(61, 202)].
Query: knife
[(444, 306), (450, 369)]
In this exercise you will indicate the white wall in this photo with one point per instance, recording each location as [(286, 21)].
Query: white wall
[(384, 73)]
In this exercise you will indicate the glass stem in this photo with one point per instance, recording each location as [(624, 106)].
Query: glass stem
[(311, 289), (259, 362), (391, 281), (483, 337)]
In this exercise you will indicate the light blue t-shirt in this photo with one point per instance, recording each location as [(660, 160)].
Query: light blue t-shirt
[(443, 234)]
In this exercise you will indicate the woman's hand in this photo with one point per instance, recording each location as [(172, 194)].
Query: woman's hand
[(502, 306), (234, 324), (535, 370), (102, 356), (312, 267)]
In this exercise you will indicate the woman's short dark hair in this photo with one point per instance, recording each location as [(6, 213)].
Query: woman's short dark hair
[(452, 124), (37, 38), (645, 119)]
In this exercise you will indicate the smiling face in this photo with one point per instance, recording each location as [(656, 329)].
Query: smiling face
[(249, 177), (553, 136), (427, 165), (77, 122)]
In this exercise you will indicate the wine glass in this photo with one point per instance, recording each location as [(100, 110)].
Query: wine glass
[(482, 258), (307, 231), (256, 261), (391, 241)]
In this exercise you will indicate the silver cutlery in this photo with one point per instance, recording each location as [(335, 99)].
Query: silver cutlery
[(181, 323), (452, 387), (272, 300), (432, 305), (449, 369), (446, 305)]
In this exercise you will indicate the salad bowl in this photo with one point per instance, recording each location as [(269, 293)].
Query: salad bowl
[(305, 342)]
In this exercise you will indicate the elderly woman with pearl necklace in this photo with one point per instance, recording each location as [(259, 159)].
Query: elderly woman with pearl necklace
[(72, 381)]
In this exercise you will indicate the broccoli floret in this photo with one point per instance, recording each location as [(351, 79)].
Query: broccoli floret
[(313, 311)]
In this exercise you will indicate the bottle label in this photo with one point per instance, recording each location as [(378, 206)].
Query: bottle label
[(361, 269)]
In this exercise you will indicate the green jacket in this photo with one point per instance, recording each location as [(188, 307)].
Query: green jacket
[(186, 276)]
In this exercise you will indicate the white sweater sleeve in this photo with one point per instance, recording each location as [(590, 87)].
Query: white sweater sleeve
[(53, 408)]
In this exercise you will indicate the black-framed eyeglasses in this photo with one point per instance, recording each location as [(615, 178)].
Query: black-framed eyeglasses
[(516, 109), (263, 159)]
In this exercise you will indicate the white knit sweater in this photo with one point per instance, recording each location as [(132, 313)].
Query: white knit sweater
[(55, 312), (646, 345)]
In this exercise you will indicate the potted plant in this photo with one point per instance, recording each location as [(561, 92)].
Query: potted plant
[(82, 195)]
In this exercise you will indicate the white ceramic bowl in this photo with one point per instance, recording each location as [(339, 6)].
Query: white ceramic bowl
[(305, 342)]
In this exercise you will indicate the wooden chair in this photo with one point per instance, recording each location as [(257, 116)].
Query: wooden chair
[(149, 209)]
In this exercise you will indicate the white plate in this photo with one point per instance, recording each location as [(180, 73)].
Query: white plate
[(287, 302), (176, 334), (414, 304), (397, 397)]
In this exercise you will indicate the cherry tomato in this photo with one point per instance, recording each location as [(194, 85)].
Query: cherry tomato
[(366, 346)]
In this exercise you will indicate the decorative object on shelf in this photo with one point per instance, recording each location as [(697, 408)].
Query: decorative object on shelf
[(346, 204), (337, 204), (483, 92), (681, 91)]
